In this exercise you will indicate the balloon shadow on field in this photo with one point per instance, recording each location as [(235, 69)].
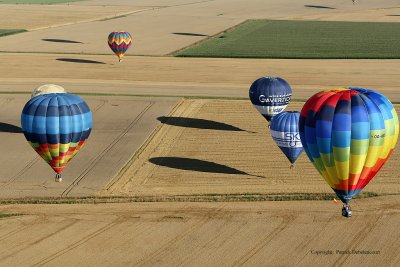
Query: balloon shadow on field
[(199, 124), (394, 15), (62, 41), (78, 60), (197, 165), (189, 34), (9, 128), (326, 7)]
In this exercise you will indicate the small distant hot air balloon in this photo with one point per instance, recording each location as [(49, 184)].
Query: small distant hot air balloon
[(46, 89), (119, 43), (348, 134), (56, 125), (285, 133), (270, 96)]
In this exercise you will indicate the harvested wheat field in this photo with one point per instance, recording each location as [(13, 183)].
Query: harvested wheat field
[(296, 233), (35, 17), (204, 77), (224, 147)]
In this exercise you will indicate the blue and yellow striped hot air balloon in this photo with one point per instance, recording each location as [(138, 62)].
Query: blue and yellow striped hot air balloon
[(119, 42), (56, 125), (348, 134)]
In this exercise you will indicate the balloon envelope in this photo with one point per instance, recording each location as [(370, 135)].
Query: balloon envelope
[(348, 134), (270, 96), (119, 42), (285, 132), (56, 126), (47, 89)]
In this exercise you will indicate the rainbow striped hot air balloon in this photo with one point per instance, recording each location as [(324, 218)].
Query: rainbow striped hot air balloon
[(56, 125), (348, 134), (119, 42)]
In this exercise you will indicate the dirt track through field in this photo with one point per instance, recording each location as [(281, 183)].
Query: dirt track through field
[(224, 147), (201, 234)]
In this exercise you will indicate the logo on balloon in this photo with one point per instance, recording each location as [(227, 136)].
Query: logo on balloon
[(286, 139), (282, 99), (278, 109)]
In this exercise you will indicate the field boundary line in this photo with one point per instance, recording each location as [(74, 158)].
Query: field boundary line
[(205, 39), (115, 16), (94, 162)]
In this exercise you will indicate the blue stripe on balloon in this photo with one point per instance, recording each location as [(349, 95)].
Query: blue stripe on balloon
[(56, 125), (57, 138), (387, 114), (346, 196), (48, 111), (309, 134), (310, 119), (326, 113), (55, 105), (360, 130), (323, 129), (313, 148), (358, 114), (343, 107), (325, 145), (376, 121), (341, 122), (356, 101), (341, 138)]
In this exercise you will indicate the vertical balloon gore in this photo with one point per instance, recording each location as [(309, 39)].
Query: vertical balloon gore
[(270, 96), (348, 134), (56, 125), (119, 43), (285, 132)]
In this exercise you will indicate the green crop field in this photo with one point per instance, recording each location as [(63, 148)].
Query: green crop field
[(10, 31), (302, 39), (36, 2)]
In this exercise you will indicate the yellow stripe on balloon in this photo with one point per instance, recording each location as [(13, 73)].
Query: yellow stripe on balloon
[(357, 163), (327, 179), (372, 156), (342, 169)]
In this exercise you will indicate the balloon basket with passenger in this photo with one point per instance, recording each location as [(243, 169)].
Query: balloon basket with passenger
[(346, 210)]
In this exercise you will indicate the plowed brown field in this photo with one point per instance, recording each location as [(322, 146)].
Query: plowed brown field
[(294, 233)]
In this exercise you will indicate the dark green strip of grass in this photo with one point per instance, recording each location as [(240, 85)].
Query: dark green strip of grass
[(186, 198), (303, 40), (36, 2), (298, 100), (4, 32), (7, 215)]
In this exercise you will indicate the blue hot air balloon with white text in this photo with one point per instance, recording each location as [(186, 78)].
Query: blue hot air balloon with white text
[(285, 132), (270, 96)]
